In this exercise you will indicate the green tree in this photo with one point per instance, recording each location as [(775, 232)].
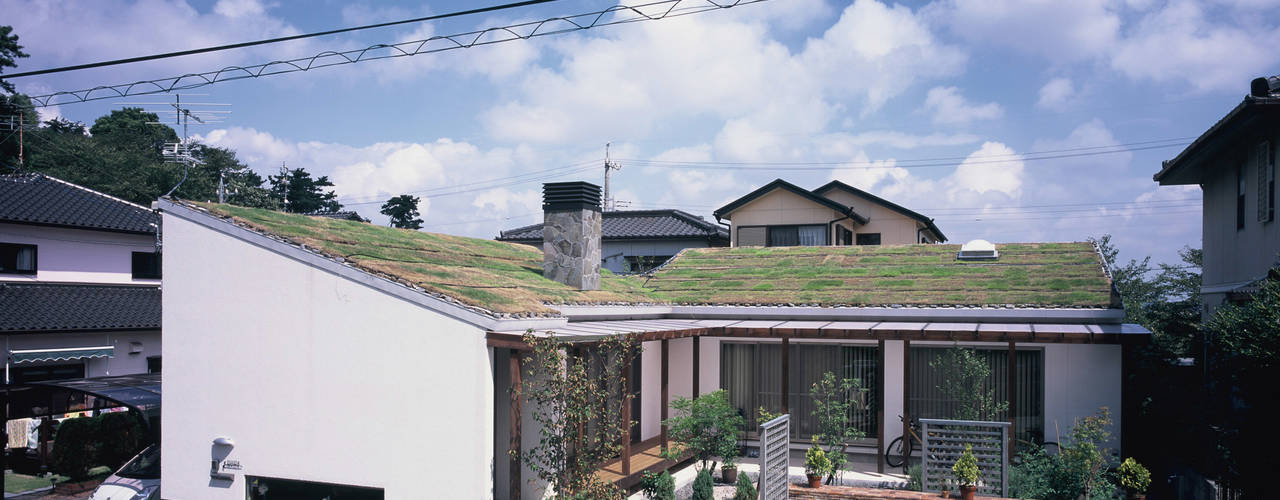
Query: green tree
[(576, 402), (706, 427), (403, 211), (835, 403), (134, 129), (302, 194), (10, 52), (1079, 470), (965, 380)]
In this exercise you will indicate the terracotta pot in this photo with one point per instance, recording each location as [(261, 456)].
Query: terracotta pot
[(968, 492), (945, 494), (815, 480), (729, 474)]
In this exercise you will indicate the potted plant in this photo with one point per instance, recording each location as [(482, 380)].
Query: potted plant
[(816, 465), (1134, 478), (729, 469), (946, 489), (967, 473)]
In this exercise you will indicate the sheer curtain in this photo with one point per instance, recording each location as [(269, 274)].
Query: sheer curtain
[(927, 401), (813, 236), (26, 259)]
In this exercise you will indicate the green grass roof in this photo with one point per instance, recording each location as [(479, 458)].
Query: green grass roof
[(506, 278)]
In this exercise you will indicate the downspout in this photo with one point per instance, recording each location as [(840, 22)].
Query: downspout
[(831, 231)]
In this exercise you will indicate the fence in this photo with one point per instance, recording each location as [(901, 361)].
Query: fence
[(945, 440), (775, 458)]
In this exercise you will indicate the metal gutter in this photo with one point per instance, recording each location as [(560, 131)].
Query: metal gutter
[(917, 314)]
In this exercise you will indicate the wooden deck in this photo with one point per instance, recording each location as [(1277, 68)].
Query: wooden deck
[(644, 457)]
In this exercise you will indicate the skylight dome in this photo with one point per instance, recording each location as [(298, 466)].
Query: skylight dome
[(978, 250)]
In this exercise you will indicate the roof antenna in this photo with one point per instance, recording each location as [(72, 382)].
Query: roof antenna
[(180, 152), (609, 204)]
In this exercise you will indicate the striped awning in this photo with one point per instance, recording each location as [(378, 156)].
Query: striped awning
[(63, 354)]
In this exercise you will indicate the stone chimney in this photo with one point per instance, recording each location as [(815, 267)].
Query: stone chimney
[(571, 233)]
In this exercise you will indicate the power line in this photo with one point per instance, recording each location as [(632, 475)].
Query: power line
[(490, 183), (618, 14), (271, 40)]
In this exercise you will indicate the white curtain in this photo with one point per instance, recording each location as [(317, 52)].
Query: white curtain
[(26, 259), (812, 236)]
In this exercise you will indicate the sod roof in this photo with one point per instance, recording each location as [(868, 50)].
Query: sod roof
[(506, 278)]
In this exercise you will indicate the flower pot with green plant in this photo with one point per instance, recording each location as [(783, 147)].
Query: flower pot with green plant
[(1134, 478), (967, 473), (816, 465)]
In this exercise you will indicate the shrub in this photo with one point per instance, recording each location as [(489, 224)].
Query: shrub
[(966, 468), (835, 402), (914, 478), (744, 490), (703, 487), (658, 486), (707, 427), (1133, 476), (816, 462), (1079, 470), (75, 447), (120, 438)]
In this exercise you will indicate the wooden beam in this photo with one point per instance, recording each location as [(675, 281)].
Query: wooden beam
[(697, 359), (906, 395), (786, 373), (626, 418), (666, 362), (880, 412), (1013, 399), (515, 424)]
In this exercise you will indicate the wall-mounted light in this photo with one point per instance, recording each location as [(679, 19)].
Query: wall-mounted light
[(223, 441)]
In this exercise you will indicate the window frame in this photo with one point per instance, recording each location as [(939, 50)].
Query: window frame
[(154, 273), (35, 258), (768, 236)]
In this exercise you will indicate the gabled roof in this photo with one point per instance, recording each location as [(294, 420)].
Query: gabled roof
[(35, 307), (343, 215), (1241, 120), (42, 200), (891, 205), (638, 225), (781, 184)]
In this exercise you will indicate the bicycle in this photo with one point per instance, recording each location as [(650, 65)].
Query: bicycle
[(895, 455)]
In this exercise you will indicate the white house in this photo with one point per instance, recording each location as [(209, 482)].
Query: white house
[(377, 362), (79, 282)]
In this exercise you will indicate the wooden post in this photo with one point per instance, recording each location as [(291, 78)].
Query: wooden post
[(515, 424), (786, 374), (880, 411), (906, 396), (666, 352), (697, 359), (1013, 387), (626, 419)]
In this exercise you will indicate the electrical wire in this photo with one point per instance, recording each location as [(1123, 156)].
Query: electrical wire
[(511, 181), (218, 48), (617, 14)]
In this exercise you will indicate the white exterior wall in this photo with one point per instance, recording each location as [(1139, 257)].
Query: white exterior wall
[(315, 378), (651, 388), (79, 255), (122, 363)]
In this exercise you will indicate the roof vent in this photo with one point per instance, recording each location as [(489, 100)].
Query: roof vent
[(978, 250)]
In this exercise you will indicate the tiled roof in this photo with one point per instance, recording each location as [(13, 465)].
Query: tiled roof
[(344, 215), (43, 200), (724, 211), (891, 205), (637, 225), (30, 307)]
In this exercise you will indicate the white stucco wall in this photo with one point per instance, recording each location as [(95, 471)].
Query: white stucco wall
[(315, 378), (122, 363), (78, 255)]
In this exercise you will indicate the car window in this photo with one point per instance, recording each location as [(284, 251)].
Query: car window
[(144, 466)]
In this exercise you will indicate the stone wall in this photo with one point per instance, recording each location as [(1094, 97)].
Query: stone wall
[(571, 248)]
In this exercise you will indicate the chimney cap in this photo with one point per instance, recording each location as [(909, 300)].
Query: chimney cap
[(569, 196)]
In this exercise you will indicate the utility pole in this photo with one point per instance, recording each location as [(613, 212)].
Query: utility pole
[(284, 182), (609, 165), (20, 144)]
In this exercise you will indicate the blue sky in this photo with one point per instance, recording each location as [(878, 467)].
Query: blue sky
[(704, 108)]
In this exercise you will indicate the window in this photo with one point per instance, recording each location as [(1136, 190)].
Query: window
[(153, 364), (798, 236), (146, 265), (753, 236), (643, 263), (1240, 197), (752, 374), (1266, 183), (868, 238), (269, 488), (928, 401), (844, 236), (25, 374), (17, 259)]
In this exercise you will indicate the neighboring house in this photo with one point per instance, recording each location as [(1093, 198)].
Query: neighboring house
[(1234, 163), (783, 214), (639, 240), (79, 282), (401, 347)]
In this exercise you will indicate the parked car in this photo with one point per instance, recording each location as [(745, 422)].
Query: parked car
[(137, 479)]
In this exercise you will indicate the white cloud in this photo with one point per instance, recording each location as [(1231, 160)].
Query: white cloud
[(994, 167), (239, 8), (1058, 31), (950, 108), (1056, 94)]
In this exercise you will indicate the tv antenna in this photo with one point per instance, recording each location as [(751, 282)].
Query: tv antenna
[(609, 165), (204, 113)]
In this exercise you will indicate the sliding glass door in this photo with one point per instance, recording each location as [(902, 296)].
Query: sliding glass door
[(927, 399), (752, 374)]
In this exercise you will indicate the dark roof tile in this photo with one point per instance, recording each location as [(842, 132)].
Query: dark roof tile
[(43, 200), (29, 307), (637, 224)]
